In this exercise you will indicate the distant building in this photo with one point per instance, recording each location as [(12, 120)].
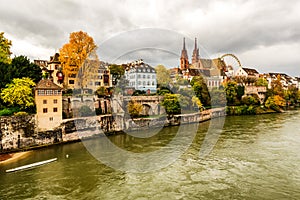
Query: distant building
[(48, 99), (285, 79), (141, 76), (54, 68), (213, 70), (247, 72)]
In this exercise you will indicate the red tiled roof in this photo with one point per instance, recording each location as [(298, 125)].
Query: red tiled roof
[(47, 84)]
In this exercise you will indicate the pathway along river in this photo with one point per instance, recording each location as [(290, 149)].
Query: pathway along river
[(256, 157)]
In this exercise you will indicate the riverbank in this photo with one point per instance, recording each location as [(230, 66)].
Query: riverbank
[(249, 110), (12, 157)]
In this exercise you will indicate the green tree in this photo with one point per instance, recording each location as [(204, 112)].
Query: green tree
[(117, 71), (250, 100), (162, 76), (134, 109), (85, 111), (201, 90), (291, 94), (261, 82), (231, 88), (19, 93), (5, 52), (218, 97), (171, 104), (20, 67)]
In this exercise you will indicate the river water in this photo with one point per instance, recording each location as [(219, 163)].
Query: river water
[(254, 157)]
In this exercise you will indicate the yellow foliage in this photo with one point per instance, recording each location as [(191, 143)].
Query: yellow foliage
[(134, 108), (75, 54)]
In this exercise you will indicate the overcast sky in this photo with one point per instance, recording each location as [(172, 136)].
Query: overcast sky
[(263, 34)]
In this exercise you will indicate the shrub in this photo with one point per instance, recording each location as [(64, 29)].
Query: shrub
[(85, 111), (21, 113), (9, 111)]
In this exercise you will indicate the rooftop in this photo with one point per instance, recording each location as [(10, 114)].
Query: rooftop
[(47, 84)]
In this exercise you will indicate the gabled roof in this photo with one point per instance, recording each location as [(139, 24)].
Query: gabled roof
[(198, 72), (54, 59), (250, 71), (47, 84)]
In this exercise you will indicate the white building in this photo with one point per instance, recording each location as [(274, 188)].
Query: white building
[(141, 76)]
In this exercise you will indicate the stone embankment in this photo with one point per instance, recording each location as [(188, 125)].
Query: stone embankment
[(20, 133)]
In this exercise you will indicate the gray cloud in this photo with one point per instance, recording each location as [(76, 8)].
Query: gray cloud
[(237, 26)]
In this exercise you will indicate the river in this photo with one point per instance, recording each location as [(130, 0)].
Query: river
[(254, 157)]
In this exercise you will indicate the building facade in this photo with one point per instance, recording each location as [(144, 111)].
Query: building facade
[(48, 99), (141, 76)]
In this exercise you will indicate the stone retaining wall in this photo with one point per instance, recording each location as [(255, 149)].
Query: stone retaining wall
[(19, 132)]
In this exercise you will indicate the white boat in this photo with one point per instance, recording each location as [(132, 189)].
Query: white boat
[(31, 165)]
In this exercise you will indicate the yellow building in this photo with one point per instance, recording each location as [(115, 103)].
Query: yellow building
[(48, 99)]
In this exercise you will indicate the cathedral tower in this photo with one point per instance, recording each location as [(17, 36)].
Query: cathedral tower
[(195, 57), (184, 60)]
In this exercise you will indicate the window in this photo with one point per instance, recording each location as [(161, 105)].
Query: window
[(153, 76), (148, 76), (45, 110), (54, 109), (139, 76), (144, 76), (139, 82), (41, 92), (71, 82), (49, 92), (56, 92), (44, 101), (56, 67), (55, 101), (97, 83), (51, 119)]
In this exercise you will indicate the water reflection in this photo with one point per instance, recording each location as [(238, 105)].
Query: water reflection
[(255, 157)]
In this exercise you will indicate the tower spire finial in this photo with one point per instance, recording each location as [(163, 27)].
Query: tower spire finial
[(184, 43), (195, 43)]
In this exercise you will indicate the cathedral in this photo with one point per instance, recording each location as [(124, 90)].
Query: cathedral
[(213, 70)]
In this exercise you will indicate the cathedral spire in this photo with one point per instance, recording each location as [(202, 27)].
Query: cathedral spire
[(184, 60), (195, 57)]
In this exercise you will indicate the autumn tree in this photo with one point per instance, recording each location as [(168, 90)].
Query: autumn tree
[(276, 86), (101, 91), (197, 103), (134, 109), (19, 93), (162, 76), (5, 52), (275, 102), (79, 53)]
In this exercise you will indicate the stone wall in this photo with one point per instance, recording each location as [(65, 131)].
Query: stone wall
[(19, 132)]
